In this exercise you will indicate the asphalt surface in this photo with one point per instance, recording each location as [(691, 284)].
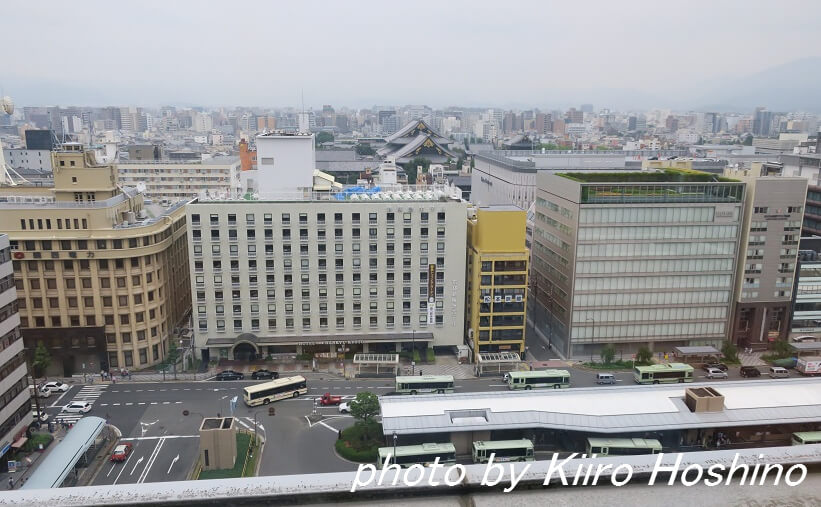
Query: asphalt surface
[(166, 444)]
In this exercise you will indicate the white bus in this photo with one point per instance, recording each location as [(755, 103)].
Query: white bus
[(265, 393), (622, 446), (424, 454), (424, 384), (555, 379), (502, 450)]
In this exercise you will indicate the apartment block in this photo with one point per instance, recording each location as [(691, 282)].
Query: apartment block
[(176, 180), (497, 276), (324, 272), (102, 278), (773, 215), (634, 259), (15, 411)]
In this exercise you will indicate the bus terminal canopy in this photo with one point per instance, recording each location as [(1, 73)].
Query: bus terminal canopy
[(801, 347), (697, 351), (61, 461), (496, 362), (376, 364)]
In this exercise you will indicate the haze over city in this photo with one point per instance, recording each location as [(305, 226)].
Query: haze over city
[(634, 54)]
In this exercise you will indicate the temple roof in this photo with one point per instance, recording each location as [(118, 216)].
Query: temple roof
[(411, 130), (419, 144)]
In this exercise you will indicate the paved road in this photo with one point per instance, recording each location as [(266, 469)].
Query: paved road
[(150, 416)]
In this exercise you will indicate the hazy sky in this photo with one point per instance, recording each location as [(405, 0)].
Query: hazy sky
[(356, 53)]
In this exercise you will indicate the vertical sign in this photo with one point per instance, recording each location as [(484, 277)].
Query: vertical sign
[(431, 294)]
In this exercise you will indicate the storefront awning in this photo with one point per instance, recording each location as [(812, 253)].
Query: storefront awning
[(20, 442)]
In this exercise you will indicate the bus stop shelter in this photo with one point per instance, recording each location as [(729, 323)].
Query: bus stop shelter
[(76, 450), (376, 365), (496, 363), (700, 352), (806, 348)]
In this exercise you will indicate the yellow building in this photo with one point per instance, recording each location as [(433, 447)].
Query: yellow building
[(102, 279), (495, 309)]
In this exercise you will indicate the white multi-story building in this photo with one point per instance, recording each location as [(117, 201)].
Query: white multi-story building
[(176, 180), (318, 272), (15, 412), (28, 159), (285, 161)]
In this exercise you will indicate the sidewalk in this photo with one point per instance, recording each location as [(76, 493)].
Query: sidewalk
[(751, 359), (25, 469)]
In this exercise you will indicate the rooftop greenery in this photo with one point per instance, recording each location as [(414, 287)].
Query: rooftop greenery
[(662, 176)]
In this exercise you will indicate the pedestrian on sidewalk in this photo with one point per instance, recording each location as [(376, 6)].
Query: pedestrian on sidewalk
[(11, 483)]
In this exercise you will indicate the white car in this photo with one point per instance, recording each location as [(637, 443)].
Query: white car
[(39, 392), (77, 406), (43, 416), (345, 407), (716, 373), (55, 386)]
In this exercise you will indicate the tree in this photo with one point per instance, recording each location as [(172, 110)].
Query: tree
[(782, 349), (324, 137), (364, 150), (748, 140), (173, 356), (412, 167), (365, 408), (644, 356), (608, 353), (42, 360), (730, 352)]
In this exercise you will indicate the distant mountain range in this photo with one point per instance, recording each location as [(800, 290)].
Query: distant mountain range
[(793, 86)]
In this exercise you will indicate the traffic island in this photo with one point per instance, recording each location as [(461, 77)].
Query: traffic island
[(361, 442)]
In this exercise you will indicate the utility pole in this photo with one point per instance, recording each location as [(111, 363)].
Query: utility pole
[(413, 352)]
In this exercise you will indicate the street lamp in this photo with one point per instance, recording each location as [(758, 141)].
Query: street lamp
[(413, 352), (395, 437), (593, 338)]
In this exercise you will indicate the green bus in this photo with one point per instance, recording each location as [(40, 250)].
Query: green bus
[(622, 446), (806, 437), (412, 384), (556, 379), (663, 373), (503, 450), (424, 454)]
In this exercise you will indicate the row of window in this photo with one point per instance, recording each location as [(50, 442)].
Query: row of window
[(373, 232), (285, 218), (83, 244), (128, 357), (305, 278), (85, 283), (91, 320), (373, 321), (84, 264), (253, 294), (651, 298), (323, 307), (59, 223)]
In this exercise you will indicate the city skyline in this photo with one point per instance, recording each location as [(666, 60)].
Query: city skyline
[(456, 54)]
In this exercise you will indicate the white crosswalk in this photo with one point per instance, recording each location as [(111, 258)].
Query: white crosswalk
[(88, 393)]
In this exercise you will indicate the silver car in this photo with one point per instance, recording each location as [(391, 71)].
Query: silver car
[(716, 373)]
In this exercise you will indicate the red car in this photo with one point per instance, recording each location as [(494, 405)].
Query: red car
[(121, 452), (328, 399)]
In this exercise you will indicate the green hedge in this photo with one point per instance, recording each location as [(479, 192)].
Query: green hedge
[(367, 455), (431, 357)]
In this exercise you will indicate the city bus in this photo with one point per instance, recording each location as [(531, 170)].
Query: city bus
[(806, 437), (424, 454), (503, 450), (265, 393), (556, 379), (424, 384), (622, 446), (663, 373)]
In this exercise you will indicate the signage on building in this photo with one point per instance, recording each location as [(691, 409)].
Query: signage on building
[(485, 181), (431, 294), (724, 213), (776, 217)]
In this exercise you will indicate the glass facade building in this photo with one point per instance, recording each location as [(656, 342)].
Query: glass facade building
[(634, 263)]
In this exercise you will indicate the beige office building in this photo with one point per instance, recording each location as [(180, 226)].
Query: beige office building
[(102, 279), (328, 273), (175, 180)]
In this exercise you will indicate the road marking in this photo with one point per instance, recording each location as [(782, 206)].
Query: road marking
[(151, 461), (57, 401), (103, 404), (115, 404), (112, 469), (242, 423), (497, 385), (177, 458), (135, 465), (153, 402), (129, 404), (157, 438), (141, 403), (329, 427), (383, 387)]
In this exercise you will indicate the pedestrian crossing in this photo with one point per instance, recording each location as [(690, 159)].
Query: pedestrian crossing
[(88, 393)]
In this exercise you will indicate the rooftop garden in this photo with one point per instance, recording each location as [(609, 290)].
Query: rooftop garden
[(662, 176)]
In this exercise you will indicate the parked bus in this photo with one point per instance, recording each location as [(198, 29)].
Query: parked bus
[(806, 437), (622, 446), (503, 450), (424, 384), (555, 379), (424, 454), (265, 393), (663, 373)]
